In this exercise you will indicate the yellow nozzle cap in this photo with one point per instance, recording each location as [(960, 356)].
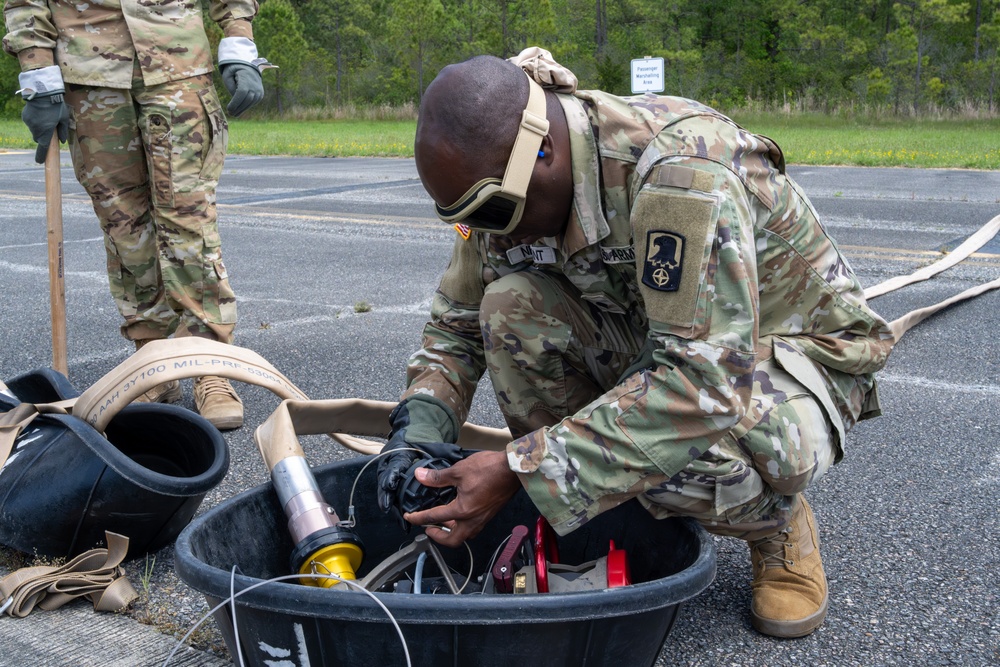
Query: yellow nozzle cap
[(340, 559)]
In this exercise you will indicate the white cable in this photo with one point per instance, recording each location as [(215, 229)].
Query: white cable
[(472, 566), (467, 577), (418, 572), (493, 558), (6, 604), (236, 627), (232, 579), (351, 523), (349, 582)]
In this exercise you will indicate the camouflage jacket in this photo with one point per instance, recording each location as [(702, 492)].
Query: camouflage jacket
[(95, 42), (761, 277)]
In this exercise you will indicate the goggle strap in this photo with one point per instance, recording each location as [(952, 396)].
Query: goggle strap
[(534, 127)]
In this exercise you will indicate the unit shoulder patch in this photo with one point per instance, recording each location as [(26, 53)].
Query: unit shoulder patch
[(664, 260)]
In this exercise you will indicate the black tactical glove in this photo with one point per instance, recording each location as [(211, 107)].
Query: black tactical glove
[(45, 115), (244, 83), (427, 425)]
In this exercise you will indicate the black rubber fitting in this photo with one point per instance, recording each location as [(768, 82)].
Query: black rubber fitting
[(322, 538), (415, 497)]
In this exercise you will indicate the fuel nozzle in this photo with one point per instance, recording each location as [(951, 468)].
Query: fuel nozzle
[(322, 544)]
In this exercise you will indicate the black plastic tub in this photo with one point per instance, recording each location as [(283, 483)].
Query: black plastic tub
[(291, 624)]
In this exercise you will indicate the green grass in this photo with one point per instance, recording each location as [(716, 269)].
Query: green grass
[(805, 139), (314, 138), (319, 138), (825, 140)]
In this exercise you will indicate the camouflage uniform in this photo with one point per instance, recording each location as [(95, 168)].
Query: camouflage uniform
[(694, 338), (148, 139)]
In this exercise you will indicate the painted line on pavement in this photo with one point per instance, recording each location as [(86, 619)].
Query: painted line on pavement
[(45, 245), (927, 383)]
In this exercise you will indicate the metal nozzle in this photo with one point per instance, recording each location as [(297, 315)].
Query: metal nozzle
[(322, 544)]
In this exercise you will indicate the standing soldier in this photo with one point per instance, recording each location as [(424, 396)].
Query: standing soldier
[(129, 83)]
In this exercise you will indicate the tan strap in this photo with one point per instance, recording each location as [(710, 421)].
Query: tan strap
[(176, 358), (277, 437), (14, 421), (157, 362), (534, 127), (915, 317), (964, 251), (96, 574)]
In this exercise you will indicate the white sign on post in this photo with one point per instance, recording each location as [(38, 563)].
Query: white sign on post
[(647, 75)]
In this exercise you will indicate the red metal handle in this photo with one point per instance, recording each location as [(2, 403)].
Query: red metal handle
[(546, 551)]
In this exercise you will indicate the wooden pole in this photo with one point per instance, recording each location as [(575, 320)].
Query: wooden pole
[(57, 283)]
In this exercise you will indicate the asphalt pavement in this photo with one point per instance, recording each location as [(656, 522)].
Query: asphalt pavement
[(334, 262)]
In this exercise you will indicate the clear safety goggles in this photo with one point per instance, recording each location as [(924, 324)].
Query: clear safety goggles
[(493, 205)]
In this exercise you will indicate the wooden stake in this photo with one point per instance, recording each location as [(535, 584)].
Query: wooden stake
[(57, 283)]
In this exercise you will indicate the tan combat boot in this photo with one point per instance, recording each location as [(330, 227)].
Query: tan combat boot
[(168, 392), (789, 585), (216, 400)]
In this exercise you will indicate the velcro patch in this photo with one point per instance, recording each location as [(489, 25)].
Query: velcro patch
[(674, 230), (664, 261), (686, 178)]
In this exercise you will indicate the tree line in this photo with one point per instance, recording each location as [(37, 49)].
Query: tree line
[(904, 57)]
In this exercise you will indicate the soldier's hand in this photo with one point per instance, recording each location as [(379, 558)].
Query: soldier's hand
[(394, 469), (46, 115), (484, 484), (422, 429), (244, 83)]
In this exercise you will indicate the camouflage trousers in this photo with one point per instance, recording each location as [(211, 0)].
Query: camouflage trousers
[(549, 353), (150, 159)]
